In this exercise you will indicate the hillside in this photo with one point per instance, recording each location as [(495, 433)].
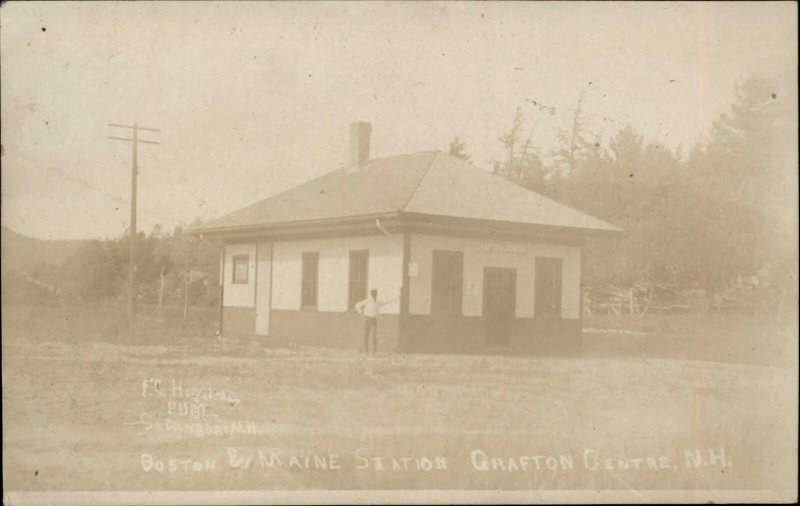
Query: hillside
[(23, 253)]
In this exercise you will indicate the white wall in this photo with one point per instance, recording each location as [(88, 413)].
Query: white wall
[(240, 294), (479, 253), (263, 287), (385, 271)]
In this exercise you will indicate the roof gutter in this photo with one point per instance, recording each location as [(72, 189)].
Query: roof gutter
[(422, 223), (386, 232)]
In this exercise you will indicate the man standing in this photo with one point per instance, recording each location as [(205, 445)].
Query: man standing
[(369, 308)]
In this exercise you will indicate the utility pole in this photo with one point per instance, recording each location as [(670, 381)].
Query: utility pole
[(161, 292), (135, 140)]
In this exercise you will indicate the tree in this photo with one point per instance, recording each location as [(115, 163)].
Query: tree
[(748, 158), (95, 271), (458, 149), (745, 154), (575, 143), (696, 222), (180, 253), (675, 233), (608, 180), (99, 269), (510, 140), (522, 163)]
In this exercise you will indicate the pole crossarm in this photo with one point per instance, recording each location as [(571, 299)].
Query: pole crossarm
[(131, 140), (134, 127)]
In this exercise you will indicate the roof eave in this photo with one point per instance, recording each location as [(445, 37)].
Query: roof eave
[(420, 222), (441, 220)]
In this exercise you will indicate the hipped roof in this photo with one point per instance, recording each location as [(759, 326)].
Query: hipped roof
[(430, 183)]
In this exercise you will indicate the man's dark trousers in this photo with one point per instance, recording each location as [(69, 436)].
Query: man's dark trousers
[(371, 326)]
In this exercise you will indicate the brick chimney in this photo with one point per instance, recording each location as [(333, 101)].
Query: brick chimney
[(359, 144)]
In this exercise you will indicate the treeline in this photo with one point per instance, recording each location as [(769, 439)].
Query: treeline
[(693, 220), (98, 270), (723, 210)]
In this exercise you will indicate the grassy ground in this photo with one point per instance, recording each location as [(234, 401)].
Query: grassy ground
[(712, 337), (82, 409)]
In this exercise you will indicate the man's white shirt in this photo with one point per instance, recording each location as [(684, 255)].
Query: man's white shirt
[(370, 307)]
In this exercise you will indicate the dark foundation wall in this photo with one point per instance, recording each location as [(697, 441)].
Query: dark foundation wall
[(330, 329), (553, 337), (425, 333), (467, 334), (239, 320)]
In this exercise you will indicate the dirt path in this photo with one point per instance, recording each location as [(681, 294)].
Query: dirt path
[(104, 417)]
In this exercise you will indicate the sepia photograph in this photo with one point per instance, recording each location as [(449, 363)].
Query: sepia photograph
[(402, 252)]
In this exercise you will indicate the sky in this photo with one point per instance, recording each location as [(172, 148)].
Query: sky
[(254, 98)]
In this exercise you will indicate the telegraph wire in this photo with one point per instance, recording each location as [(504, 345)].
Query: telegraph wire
[(42, 165)]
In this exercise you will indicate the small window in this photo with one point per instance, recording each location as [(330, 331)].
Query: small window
[(241, 269), (358, 278), (308, 296), (448, 281)]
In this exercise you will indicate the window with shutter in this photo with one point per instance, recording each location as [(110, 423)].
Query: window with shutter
[(358, 278), (447, 282), (308, 295)]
